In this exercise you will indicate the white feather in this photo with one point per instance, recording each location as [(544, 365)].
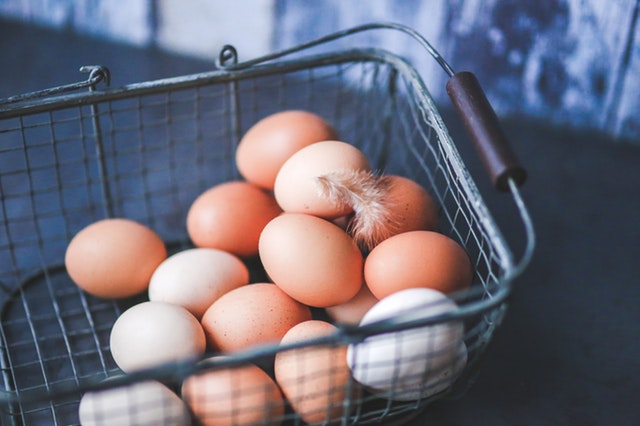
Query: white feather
[(365, 193)]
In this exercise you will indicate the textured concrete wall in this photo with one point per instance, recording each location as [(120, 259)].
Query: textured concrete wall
[(572, 62), (103, 18), (567, 61), (191, 27)]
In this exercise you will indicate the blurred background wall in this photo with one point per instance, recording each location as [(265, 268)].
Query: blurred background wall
[(570, 62)]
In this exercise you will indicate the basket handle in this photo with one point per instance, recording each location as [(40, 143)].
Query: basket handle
[(481, 122), (463, 88)]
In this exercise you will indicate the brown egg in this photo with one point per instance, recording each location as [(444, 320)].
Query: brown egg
[(250, 315), (238, 396), (315, 379), (311, 259), (410, 206), (114, 258), (230, 217), (352, 311), (272, 140), (383, 205), (417, 259), (296, 188)]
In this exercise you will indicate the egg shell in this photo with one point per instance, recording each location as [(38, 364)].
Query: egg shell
[(230, 217), (195, 278), (352, 311), (141, 403), (315, 379), (237, 396), (114, 258), (311, 259), (296, 189), (411, 363), (255, 314), (410, 206), (153, 333), (272, 140), (417, 259)]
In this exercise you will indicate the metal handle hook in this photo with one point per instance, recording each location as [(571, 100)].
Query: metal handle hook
[(97, 73), (227, 57)]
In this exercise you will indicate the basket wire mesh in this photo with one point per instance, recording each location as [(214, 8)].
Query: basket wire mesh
[(145, 151)]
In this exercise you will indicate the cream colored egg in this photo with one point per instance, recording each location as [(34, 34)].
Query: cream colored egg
[(296, 188), (147, 403), (152, 333), (195, 278), (411, 363)]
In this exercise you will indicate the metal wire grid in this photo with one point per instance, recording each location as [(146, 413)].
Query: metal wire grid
[(153, 155)]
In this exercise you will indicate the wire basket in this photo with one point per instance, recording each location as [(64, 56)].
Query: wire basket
[(75, 154)]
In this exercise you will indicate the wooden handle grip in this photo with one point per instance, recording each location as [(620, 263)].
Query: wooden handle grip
[(482, 124)]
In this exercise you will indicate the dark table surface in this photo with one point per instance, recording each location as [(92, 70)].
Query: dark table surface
[(568, 352)]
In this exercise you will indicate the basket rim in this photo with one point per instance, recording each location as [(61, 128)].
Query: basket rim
[(95, 95)]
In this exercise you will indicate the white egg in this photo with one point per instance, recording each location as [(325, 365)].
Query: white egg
[(412, 363), (195, 278), (153, 333), (147, 403)]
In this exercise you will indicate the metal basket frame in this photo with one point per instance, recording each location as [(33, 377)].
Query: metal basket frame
[(94, 113)]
